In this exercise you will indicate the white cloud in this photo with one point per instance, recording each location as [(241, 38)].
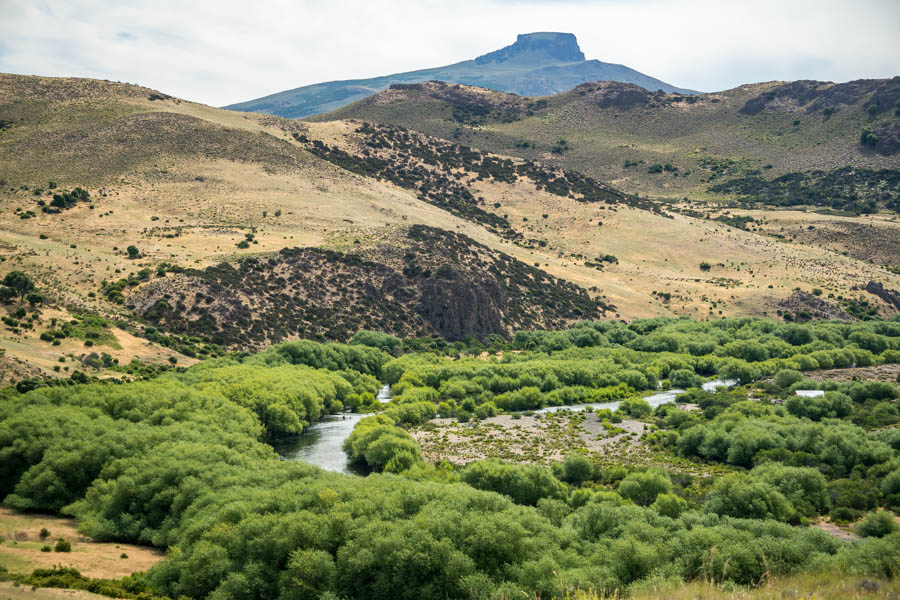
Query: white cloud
[(228, 51)]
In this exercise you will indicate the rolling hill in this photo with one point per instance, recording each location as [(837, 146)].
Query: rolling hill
[(162, 230), (618, 132), (537, 64), (194, 189)]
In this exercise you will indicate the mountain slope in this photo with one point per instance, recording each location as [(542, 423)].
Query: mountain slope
[(173, 187), (616, 132), (172, 190), (537, 64)]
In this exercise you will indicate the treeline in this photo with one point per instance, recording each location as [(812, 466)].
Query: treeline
[(605, 360)]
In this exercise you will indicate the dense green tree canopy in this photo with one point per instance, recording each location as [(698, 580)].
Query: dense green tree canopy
[(180, 462)]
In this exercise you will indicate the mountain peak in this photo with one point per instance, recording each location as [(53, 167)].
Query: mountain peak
[(557, 47), (537, 64)]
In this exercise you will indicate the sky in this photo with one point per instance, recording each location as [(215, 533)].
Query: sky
[(229, 51)]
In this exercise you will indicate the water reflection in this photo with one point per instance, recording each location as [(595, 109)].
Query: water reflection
[(320, 444)]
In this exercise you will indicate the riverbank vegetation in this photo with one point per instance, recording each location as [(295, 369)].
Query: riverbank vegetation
[(181, 462)]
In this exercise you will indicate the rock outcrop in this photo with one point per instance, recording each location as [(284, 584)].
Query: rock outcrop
[(545, 47), (891, 297), (431, 282), (803, 306)]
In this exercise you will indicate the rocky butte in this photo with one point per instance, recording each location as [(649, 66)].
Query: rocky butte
[(537, 64)]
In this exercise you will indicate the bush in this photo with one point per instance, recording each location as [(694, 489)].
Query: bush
[(685, 379), (669, 505), (740, 371), (785, 378), (20, 283), (525, 484), (377, 443), (739, 495), (643, 487), (805, 488), (844, 514), (877, 524), (890, 485), (577, 469), (485, 410), (62, 546), (867, 138), (635, 407), (523, 399), (831, 405)]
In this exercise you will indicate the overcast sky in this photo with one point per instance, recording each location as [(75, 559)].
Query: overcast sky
[(233, 50)]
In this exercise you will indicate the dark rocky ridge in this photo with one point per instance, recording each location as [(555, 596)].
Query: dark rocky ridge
[(609, 94), (432, 282), (887, 137), (803, 306), (816, 96)]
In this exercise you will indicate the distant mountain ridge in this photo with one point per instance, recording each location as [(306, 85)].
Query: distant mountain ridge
[(537, 64)]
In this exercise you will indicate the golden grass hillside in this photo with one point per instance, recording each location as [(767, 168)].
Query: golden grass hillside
[(185, 184), (603, 125), (751, 271)]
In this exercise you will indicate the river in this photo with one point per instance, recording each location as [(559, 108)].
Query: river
[(654, 400), (321, 443)]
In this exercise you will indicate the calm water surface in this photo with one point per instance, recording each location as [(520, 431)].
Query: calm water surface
[(321, 443)]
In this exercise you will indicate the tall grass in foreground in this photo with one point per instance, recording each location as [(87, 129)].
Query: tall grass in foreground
[(808, 586)]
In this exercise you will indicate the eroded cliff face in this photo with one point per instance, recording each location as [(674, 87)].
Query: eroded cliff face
[(539, 48), (891, 297), (431, 282), (461, 306)]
